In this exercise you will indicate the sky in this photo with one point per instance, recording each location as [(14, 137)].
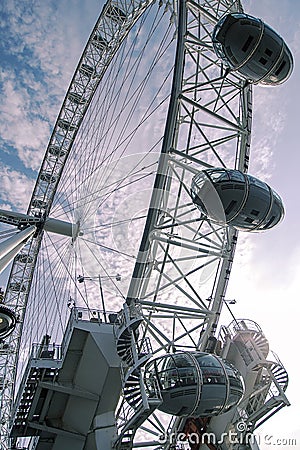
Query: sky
[(40, 45)]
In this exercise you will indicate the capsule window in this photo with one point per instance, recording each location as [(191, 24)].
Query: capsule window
[(228, 50), (270, 222), (268, 52), (254, 212), (231, 55), (239, 187), (280, 68), (226, 186), (208, 361), (263, 61), (247, 43), (230, 207)]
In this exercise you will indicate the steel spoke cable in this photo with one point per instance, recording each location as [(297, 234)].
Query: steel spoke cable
[(142, 87), (115, 97), (114, 74), (124, 178), (90, 175), (56, 290), (104, 247), (103, 226), (133, 69), (71, 275), (42, 281), (109, 186), (96, 129), (107, 274), (108, 84), (128, 143)]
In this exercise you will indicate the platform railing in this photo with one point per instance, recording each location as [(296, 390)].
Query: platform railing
[(243, 325)]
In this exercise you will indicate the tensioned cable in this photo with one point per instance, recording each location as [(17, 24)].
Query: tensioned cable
[(69, 274), (85, 199), (132, 132), (102, 227), (114, 119), (55, 294), (42, 279), (84, 125), (113, 97), (109, 248), (107, 274), (124, 178), (114, 71)]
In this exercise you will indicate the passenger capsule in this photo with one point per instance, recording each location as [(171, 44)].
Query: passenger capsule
[(24, 258), (48, 177), (230, 197), (251, 47), (17, 287), (76, 98), (87, 71), (66, 125), (194, 383), (7, 321), (99, 42)]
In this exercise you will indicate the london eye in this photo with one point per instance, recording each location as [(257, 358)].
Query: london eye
[(111, 323)]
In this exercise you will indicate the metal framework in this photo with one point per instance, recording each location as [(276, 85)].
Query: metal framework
[(180, 276)]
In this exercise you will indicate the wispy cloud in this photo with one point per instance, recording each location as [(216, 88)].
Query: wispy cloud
[(22, 126), (39, 52), (16, 188)]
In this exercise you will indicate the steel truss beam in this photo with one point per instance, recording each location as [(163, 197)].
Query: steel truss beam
[(185, 260)]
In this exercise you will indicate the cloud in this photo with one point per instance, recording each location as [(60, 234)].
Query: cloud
[(16, 188), (21, 124), (39, 53)]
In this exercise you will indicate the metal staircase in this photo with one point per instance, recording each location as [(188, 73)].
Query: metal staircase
[(43, 366), (124, 347), (134, 354), (26, 410), (132, 388), (250, 340), (280, 375), (243, 339)]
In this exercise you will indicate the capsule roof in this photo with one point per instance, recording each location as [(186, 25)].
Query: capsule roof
[(252, 48)]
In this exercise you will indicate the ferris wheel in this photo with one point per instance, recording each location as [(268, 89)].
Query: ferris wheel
[(110, 324)]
